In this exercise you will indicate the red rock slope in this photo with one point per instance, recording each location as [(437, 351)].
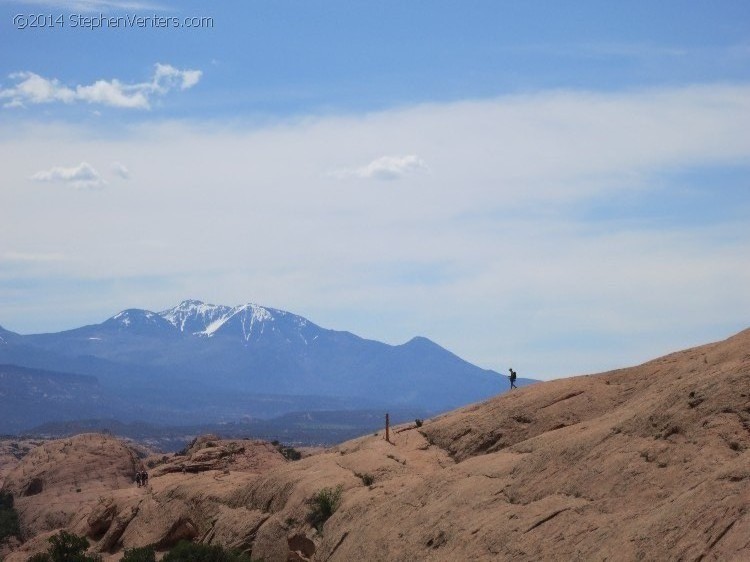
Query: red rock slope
[(646, 463)]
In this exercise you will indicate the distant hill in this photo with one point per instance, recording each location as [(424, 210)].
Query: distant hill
[(308, 428), (219, 363), (33, 394)]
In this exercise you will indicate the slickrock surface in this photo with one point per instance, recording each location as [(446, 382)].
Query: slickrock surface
[(646, 463), (12, 450)]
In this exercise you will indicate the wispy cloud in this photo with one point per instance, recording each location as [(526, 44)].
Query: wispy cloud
[(120, 170), (31, 88), (386, 168), (83, 176), (29, 257)]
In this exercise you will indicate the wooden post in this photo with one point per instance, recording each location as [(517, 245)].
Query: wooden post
[(387, 428)]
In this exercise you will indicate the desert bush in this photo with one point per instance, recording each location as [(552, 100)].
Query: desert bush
[(324, 504), (193, 552), (142, 554), (673, 430), (290, 453), (367, 479), (66, 547), (9, 525), (6, 500)]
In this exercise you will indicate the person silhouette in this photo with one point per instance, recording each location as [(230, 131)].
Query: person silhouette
[(512, 378)]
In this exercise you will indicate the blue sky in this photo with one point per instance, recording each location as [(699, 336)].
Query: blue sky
[(558, 187)]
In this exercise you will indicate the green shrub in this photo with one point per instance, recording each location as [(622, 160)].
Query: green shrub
[(324, 504), (290, 453), (9, 525), (141, 554), (66, 547), (6, 500), (367, 479), (193, 552)]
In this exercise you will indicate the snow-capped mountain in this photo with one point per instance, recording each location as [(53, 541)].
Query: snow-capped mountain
[(193, 317), (209, 357), (249, 321), (141, 321)]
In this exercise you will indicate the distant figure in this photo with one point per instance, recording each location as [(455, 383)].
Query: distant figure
[(144, 477), (138, 478), (512, 379)]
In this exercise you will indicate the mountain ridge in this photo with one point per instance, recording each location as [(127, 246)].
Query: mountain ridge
[(214, 360)]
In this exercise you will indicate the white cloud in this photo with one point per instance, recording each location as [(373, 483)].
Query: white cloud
[(83, 176), (113, 94), (31, 88), (120, 170), (386, 168), (500, 254), (167, 77)]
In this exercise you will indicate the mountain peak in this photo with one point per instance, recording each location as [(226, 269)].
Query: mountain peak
[(194, 316), (189, 303), (131, 315), (248, 319), (135, 319)]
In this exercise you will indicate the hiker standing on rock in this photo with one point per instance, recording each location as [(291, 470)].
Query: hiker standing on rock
[(138, 478), (512, 378), (144, 477)]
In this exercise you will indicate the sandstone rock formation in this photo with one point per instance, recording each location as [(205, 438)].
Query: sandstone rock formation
[(646, 463), (12, 450)]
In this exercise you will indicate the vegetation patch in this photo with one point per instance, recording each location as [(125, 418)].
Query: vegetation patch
[(367, 479), (323, 504), (142, 554), (289, 453), (66, 547), (673, 430), (186, 551), (9, 525)]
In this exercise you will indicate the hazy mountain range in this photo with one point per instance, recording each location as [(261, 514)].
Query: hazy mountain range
[(200, 363)]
